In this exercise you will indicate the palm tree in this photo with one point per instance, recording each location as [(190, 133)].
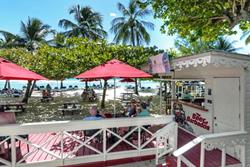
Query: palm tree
[(189, 47), (225, 45), (129, 28), (11, 40), (34, 32), (88, 23)]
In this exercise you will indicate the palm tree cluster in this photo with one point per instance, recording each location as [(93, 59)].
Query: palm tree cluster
[(32, 33), (129, 29)]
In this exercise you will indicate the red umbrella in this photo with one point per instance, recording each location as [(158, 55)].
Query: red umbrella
[(127, 80), (11, 71), (113, 69)]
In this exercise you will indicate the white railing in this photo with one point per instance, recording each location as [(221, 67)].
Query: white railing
[(221, 141), (64, 133), (166, 140)]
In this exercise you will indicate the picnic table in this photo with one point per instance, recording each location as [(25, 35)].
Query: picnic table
[(69, 106), (12, 107), (127, 96)]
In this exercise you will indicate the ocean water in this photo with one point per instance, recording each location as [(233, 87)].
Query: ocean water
[(74, 82)]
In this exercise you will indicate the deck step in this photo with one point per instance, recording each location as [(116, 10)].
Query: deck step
[(212, 158)]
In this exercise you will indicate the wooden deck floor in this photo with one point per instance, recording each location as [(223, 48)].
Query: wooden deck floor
[(53, 145)]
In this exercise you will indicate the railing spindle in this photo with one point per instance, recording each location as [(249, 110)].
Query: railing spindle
[(13, 150), (223, 157), (139, 140), (104, 144), (179, 161), (62, 157), (202, 155)]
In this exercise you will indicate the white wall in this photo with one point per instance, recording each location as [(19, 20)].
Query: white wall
[(198, 130), (247, 115)]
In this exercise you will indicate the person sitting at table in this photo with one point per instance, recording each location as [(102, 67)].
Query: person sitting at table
[(186, 96), (84, 94), (149, 101), (92, 95), (100, 114), (131, 108), (144, 111), (45, 94), (93, 114)]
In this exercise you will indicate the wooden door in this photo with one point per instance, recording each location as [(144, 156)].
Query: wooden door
[(226, 100)]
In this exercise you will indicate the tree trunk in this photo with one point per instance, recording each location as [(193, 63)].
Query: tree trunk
[(8, 84), (101, 83), (26, 95), (61, 86), (132, 36), (5, 85), (32, 88), (86, 85), (104, 94), (136, 87)]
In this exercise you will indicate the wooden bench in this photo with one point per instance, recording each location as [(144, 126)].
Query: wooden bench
[(46, 99), (12, 107), (69, 109)]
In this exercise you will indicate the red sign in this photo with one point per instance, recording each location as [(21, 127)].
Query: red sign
[(198, 120)]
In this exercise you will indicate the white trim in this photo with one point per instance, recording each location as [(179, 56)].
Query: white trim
[(214, 58)]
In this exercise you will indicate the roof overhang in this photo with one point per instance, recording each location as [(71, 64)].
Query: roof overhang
[(216, 58)]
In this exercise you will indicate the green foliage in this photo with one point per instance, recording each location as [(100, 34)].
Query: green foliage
[(246, 32), (206, 19), (78, 55), (130, 28)]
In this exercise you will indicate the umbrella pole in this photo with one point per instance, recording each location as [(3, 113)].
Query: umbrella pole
[(160, 96), (114, 97)]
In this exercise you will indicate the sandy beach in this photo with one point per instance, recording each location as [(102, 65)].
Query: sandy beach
[(37, 111)]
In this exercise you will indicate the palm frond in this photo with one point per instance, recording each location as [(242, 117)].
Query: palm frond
[(148, 24), (129, 28), (123, 9), (143, 13), (66, 24)]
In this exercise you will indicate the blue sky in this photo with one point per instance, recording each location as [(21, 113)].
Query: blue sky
[(51, 11)]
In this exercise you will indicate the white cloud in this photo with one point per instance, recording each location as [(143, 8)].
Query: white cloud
[(112, 14)]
